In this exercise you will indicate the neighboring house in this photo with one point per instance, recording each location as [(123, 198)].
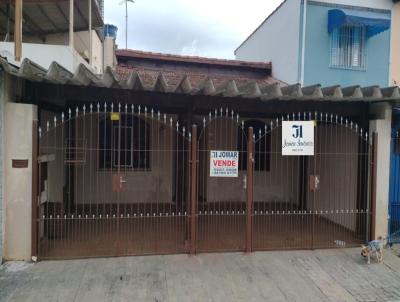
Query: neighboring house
[(395, 67), (68, 32), (125, 163), (332, 42)]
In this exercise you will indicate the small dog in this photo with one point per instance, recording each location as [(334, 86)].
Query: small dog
[(374, 247)]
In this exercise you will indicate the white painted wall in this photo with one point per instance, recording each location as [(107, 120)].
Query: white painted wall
[(277, 41), (377, 4), (18, 183), (383, 126), (44, 55)]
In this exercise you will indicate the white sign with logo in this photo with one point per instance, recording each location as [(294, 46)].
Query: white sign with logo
[(298, 138), (224, 163)]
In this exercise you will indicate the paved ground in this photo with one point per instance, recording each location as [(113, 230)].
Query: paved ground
[(331, 275)]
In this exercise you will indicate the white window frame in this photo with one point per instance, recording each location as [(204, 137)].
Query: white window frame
[(348, 48)]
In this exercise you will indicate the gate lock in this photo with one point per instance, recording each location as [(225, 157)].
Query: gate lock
[(314, 183)]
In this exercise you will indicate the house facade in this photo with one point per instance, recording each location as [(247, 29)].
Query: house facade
[(174, 154), (327, 42)]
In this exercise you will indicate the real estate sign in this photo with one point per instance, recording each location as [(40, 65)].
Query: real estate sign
[(298, 138), (224, 163)]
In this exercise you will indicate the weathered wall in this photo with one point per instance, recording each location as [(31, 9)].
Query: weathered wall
[(18, 183), (382, 125), (94, 185)]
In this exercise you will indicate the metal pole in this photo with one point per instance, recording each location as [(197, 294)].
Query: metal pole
[(35, 191), (90, 34), (18, 30), (126, 24), (249, 200), (374, 166), (71, 23), (193, 190)]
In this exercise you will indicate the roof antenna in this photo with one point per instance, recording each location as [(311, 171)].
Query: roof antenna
[(126, 19)]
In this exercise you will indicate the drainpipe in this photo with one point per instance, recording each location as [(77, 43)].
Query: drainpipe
[(71, 23), (303, 44)]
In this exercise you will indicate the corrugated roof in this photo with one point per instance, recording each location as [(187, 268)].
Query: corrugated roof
[(144, 81), (52, 16)]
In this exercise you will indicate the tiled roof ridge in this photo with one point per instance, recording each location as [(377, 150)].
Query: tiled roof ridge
[(191, 59)]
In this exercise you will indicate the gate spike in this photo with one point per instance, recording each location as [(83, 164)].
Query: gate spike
[(356, 128), (237, 118), (133, 108), (265, 128), (158, 115), (216, 112), (254, 137), (277, 122), (165, 118), (294, 116), (119, 107), (204, 121), (316, 115), (91, 107), (62, 117), (232, 114), (347, 122), (322, 117), (184, 131), (177, 124), (170, 121), (76, 111), (326, 117), (98, 107), (259, 133), (341, 120), (190, 136), (139, 108), (126, 108), (84, 109), (336, 118), (40, 131), (221, 110), (366, 135), (242, 124), (331, 117), (145, 110), (105, 107), (272, 124), (69, 112), (55, 121), (305, 116), (48, 125), (351, 125), (310, 115), (226, 113), (210, 116), (112, 107), (361, 132), (299, 116)]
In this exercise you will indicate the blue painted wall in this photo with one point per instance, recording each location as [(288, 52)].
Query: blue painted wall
[(317, 53), (394, 188)]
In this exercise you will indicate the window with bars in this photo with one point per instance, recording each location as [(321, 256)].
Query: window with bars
[(348, 47)]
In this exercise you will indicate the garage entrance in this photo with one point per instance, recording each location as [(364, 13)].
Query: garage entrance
[(121, 180)]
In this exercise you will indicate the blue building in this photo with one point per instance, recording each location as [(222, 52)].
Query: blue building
[(327, 42)]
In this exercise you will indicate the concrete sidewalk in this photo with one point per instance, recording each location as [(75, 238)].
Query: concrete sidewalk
[(330, 275)]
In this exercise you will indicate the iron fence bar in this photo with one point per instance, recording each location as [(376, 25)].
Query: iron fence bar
[(193, 190), (249, 189)]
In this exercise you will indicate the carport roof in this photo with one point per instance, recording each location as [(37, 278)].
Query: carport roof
[(42, 17), (245, 88)]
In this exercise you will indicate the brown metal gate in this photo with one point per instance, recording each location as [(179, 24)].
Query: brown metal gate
[(113, 181), (127, 180), (320, 201)]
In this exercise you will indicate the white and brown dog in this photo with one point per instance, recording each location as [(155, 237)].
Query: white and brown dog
[(374, 248)]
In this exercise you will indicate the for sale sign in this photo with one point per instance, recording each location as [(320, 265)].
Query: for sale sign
[(224, 163), (298, 138)]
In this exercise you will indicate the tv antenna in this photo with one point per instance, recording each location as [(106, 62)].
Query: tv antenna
[(126, 19)]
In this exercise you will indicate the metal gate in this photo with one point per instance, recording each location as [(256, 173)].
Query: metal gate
[(394, 193), (319, 201), (113, 181), (127, 180)]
